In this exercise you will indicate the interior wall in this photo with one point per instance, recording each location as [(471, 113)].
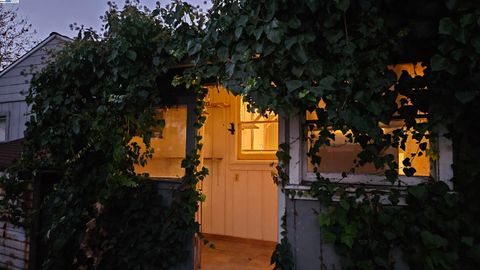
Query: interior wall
[(241, 198)]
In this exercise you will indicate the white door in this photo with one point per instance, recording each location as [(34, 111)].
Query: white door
[(241, 198)]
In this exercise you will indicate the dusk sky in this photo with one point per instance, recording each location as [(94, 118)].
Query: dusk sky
[(48, 16)]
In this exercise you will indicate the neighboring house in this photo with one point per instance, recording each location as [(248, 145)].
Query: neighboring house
[(14, 84)]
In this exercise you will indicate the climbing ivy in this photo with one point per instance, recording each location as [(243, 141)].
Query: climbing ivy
[(86, 106), (282, 56), (289, 56)]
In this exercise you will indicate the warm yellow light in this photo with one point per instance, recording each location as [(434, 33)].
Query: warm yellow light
[(168, 144)]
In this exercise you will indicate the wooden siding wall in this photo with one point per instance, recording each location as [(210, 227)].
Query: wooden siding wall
[(14, 247), (14, 85)]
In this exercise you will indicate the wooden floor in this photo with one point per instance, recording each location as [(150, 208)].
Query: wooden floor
[(232, 253)]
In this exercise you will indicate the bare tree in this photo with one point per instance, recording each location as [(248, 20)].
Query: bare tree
[(16, 36)]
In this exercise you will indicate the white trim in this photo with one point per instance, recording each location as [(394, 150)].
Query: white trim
[(6, 115), (296, 149), (368, 179), (443, 166), (281, 203), (441, 169), (306, 196), (33, 50)]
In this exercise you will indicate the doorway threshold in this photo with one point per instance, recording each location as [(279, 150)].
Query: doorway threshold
[(233, 253)]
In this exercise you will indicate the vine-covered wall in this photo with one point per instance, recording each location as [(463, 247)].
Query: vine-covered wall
[(282, 56)]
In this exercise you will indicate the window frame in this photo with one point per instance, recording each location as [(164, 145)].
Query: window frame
[(181, 97), (238, 139), (6, 115), (440, 169)]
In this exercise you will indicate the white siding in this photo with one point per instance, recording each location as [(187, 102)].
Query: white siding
[(14, 247), (14, 85)]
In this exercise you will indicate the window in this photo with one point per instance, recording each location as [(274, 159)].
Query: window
[(3, 128), (168, 143), (341, 155), (258, 134)]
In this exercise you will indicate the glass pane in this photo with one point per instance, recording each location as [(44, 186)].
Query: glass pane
[(341, 155), (169, 145), (259, 137), (258, 134)]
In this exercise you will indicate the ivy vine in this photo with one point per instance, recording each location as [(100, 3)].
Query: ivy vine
[(282, 56)]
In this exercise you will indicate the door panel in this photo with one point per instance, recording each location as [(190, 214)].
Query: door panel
[(241, 198)]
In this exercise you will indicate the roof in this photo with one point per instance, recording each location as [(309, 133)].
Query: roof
[(10, 152), (37, 47)]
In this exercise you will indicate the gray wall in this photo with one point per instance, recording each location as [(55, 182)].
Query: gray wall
[(309, 251), (14, 86), (304, 234)]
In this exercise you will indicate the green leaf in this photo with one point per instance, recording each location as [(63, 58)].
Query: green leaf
[(348, 235), (417, 191), (297, 71), (290, 41), (467, 20), (299, 54), (343, 4), (433, 241), (193, 47), (294, 23), (258, 33), (439, 63), (274, 35), (293, 85), (329, 237), (324, 220), (465, 96), (446, 26), (302, 94), (312, 4), (423, 146), (451, 4), (156, 61), (344, 204), (238, 32), (327, 83), (242, 21), (76, 126), (468, 240), (222, 53), (132, 55), (406, 162)]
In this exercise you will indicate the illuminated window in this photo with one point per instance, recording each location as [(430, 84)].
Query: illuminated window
[(341, 155), (168, 143), (258, 134)]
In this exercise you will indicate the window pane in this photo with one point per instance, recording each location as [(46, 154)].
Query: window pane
[(259, 137), (258, 134), (169, 145), (341, 155)]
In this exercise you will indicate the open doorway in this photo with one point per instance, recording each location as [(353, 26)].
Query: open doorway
[(240, 214)]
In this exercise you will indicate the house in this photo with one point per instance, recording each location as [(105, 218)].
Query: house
[(242, 202), (14, 84)]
